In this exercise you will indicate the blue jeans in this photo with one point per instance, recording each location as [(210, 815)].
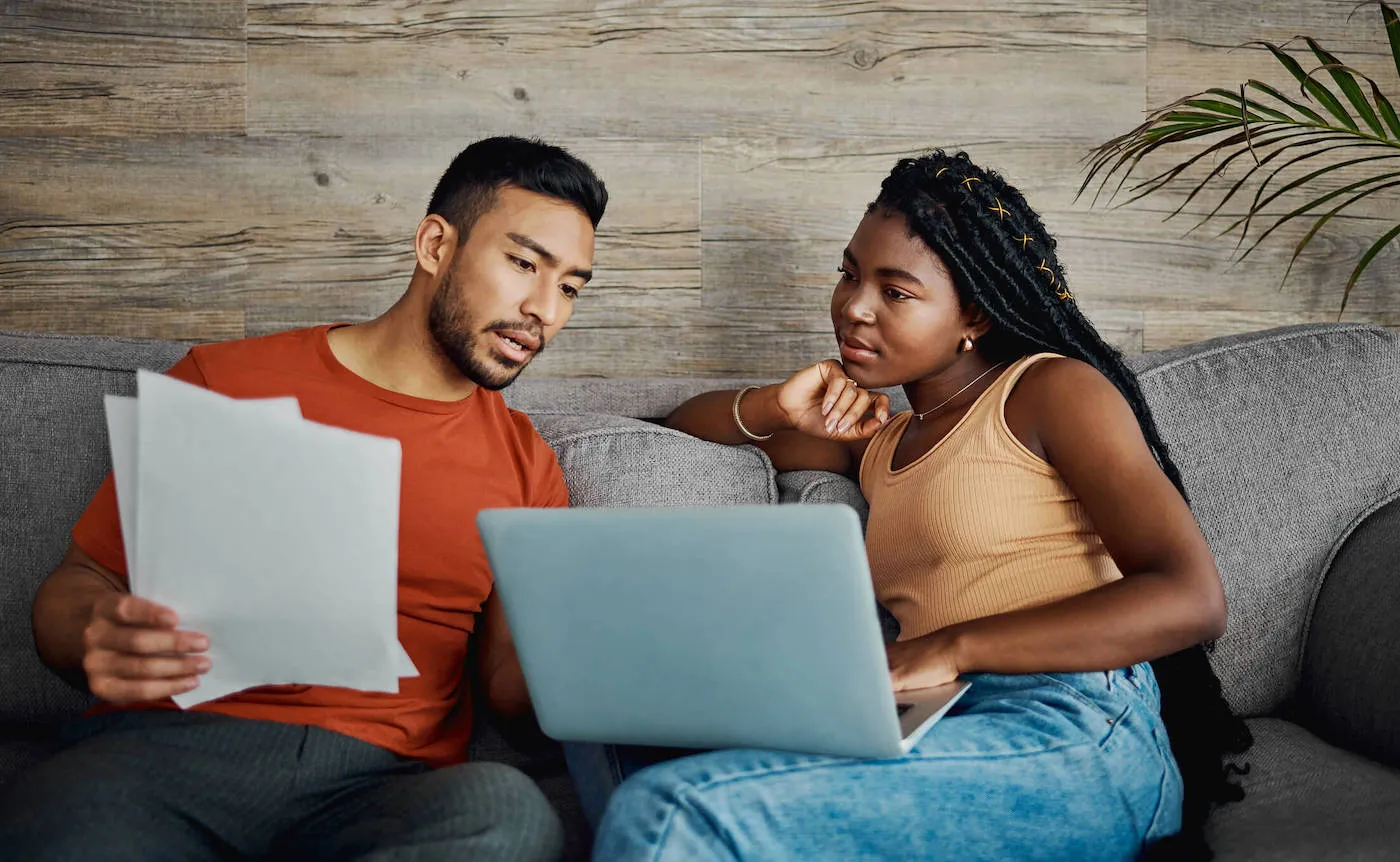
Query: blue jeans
[(1037, 766)]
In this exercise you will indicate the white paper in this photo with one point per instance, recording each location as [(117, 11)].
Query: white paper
[(122, 440), (274, 536)]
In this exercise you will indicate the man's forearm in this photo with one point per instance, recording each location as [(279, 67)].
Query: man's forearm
[(62, 609), (504, 682)]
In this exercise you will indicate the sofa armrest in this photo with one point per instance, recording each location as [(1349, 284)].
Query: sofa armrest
[(1350, 684)]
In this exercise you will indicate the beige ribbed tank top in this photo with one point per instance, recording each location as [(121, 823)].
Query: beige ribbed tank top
[(978, 525)]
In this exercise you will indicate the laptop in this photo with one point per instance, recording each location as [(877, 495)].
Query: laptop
[(738, 627)]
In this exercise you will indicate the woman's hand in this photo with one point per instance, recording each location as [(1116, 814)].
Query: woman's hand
[(923, 662), (823, 402)]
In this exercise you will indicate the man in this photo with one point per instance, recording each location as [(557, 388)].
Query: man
[(310, 772)]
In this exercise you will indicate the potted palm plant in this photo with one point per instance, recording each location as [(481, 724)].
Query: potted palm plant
[(1277, 156)]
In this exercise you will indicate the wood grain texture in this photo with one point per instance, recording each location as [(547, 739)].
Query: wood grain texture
[(320, 226), (203, 169), (690, 69), (86, 317), (778, 213), (110, 67), (1193, 45), (1164, 329)]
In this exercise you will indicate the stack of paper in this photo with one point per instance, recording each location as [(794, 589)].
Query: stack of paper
[(274, 536)]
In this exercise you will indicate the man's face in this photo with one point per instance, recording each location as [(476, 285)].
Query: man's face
[(511, 286)]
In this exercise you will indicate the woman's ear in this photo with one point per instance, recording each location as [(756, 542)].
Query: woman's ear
[(976, 320), (434, 244)]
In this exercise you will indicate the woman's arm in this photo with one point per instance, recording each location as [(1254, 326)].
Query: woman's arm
[(1170, 595), (819, 419)]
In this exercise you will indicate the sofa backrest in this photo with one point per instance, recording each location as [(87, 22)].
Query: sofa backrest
[(1284, 439), (53, 455)]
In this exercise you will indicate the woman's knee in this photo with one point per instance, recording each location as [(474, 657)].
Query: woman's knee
[(657, 814)]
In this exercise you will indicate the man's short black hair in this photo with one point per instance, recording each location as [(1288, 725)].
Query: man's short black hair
[(468, 188)]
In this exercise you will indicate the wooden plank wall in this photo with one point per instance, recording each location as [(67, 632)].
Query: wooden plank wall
[(209, 169)]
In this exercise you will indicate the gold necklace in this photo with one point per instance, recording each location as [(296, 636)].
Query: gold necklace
[(920, 416)]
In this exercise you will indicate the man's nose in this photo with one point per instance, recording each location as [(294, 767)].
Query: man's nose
[(542, 303)]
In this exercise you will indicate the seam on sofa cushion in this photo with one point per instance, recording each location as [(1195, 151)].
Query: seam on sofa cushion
[(810, 488), (25, 358), (1321, 578), (742, 452), (86, 366), (1274, 339), (651, 431)]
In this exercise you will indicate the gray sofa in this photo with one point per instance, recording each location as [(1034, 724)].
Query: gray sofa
[(1289, 442)]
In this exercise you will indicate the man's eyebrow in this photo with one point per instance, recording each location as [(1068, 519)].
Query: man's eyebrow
[(549, 257)]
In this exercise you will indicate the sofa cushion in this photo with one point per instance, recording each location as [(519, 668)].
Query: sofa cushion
[(615, 461), (53, 458), (1306, 800), (1283, 439), (820, 486), (1351, 666), (636, 398)]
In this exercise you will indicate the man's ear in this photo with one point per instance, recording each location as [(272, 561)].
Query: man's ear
[(434, 244)]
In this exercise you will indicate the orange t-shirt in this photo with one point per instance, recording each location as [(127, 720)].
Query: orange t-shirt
[(458, 458)]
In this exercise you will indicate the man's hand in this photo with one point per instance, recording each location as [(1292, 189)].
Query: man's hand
[(823, 402), (132, 651)]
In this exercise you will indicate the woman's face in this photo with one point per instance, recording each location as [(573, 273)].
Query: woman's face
[(896, 313)]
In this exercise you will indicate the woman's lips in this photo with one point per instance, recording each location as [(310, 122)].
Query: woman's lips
[(855, 352)]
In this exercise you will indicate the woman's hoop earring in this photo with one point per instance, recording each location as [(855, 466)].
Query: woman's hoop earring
[(965, 345)]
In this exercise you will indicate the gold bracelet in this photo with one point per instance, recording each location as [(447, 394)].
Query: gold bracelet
[(739, 422)]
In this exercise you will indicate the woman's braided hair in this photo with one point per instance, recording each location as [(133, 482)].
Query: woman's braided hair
[(1002, 260)]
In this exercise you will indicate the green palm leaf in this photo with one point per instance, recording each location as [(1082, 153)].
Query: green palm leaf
[(1366, 259), (1317, 202), (1311, 88), (1296, 153), (1392, 31), (1387, 110), (1345, 78)]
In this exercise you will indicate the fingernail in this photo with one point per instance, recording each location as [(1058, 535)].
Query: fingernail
[(843, 428), (202, 665), (190, 685), (826, 408), (200, 643)]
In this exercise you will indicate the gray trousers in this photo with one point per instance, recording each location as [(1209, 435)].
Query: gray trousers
[(192, 786)]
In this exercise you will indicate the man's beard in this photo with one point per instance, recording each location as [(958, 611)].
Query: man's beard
[(455, 332)]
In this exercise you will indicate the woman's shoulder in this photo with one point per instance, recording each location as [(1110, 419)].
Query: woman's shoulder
[(1065, 399), (1061, 379)]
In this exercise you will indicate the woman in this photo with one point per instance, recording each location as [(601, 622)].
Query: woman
[(1029, 532)]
